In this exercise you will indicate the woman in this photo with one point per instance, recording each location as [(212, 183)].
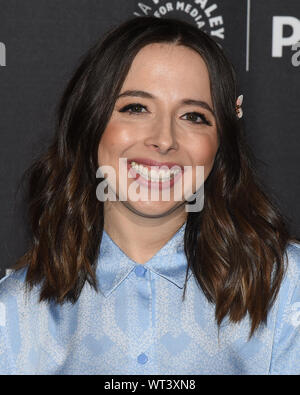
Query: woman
[(132, 286)]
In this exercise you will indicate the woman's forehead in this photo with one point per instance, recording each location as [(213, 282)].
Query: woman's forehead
[(164, 58), (167, 67)]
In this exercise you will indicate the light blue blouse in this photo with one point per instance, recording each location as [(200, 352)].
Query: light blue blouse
[(138, 324)]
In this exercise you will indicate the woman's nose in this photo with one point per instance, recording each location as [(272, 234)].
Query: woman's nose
[(162, 137)]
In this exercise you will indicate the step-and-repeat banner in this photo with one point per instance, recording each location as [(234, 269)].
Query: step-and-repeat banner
[(41, 42)]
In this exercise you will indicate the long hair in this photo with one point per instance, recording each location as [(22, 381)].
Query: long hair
[(235, 246)]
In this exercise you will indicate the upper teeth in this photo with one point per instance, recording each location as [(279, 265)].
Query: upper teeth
[(154, 174)]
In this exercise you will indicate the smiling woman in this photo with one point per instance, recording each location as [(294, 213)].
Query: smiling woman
[(146, 286), (170, 122)]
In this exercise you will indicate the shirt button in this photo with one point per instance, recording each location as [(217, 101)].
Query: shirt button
[(140, 271), (142, 358)]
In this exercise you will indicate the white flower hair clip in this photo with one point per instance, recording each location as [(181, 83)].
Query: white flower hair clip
[(238, 107)]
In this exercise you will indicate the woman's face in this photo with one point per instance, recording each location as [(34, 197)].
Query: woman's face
[(156, 118)]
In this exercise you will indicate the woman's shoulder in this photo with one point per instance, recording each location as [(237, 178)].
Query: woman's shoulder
[(294, 247), (293, 261), (13, 281), (289, 294), (13, 288), (291, 279), (285, 355)]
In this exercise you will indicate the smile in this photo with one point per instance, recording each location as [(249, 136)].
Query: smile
[(153, 173)]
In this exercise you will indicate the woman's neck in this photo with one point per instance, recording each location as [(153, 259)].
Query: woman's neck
[(139, 237)]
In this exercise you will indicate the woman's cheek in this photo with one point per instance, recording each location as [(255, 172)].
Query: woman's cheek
[(205, 154), (204, 150), (112, 141)]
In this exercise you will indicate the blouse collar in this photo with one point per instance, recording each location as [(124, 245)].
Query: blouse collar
[(114, 265)]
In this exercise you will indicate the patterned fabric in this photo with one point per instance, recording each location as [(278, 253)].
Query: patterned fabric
[(138, 323)]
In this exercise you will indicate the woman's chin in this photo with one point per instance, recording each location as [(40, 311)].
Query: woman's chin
[(152, 208)]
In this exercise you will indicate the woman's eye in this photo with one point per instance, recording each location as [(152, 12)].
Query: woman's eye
[(133, 108), (194, 116)]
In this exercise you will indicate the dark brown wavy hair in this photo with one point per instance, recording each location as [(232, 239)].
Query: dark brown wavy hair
[(235, 246)]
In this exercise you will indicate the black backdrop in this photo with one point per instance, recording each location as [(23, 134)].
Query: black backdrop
[(41, 41)]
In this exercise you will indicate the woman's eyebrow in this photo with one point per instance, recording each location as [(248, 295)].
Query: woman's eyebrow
[(147, 95)]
